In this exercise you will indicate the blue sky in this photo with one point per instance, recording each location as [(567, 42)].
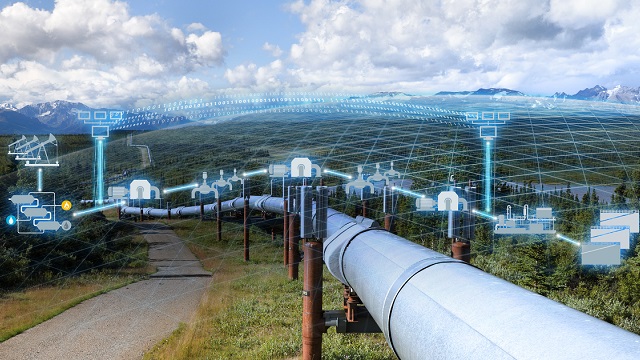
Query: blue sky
[(134, 53)]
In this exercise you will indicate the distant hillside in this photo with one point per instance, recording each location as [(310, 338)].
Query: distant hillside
[(13, 122)]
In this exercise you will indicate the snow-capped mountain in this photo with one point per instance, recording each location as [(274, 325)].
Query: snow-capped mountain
[(7, 106), (589, 93), (622, 94), (390, 95), (61, 115), (495, 92), (619, 94)]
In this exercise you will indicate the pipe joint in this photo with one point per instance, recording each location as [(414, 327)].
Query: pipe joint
[(397, 286)]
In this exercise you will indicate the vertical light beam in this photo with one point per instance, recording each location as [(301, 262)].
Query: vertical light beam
[(99, 195), (487, 177), (40, 186)]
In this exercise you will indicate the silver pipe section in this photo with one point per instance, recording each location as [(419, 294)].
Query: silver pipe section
[(429, 305), (264, 203)]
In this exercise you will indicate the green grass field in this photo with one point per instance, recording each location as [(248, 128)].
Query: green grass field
[(252, 310)]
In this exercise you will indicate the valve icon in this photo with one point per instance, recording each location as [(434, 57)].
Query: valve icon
[(66, 205)]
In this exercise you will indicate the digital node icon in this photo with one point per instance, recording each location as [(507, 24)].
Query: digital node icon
[(142, 190), (540, 223), (303, 167)]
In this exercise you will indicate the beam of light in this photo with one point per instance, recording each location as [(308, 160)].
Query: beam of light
[(96, 209), (407, 192), (487, 176), (569, 240), (40, 185), (484, 215), (252, 173), (179, 188), (99, 172), (336, 173)]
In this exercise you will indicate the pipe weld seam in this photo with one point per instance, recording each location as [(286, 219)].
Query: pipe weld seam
[(346, 245), (397, 286), (336, 235)]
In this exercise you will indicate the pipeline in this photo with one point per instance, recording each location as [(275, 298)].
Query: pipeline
[(429, 305), (264, 203)]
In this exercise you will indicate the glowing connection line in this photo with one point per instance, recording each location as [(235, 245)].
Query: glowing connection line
[(562, 237), (179, 188), (407, 192), (336, 173), (96, 209), (252, 173), (484, 215)]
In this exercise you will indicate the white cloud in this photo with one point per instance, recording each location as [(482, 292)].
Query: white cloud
[(422, 46), (577, 14), (256, 78), (274, 50), (196, 27), (241, 75), (85, 49), (207, 48)]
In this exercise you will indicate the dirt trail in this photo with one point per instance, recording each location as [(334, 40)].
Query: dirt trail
[(123, 323)]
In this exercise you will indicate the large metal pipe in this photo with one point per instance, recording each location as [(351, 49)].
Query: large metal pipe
[(429, 305), (432, 306)]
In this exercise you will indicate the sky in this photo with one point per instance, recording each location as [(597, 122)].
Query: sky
[(142, 52)]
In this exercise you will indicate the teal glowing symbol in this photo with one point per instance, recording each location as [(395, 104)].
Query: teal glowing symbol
[(11, 220)]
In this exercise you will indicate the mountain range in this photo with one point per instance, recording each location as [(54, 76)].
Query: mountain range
[(483, 92), (58, 117), (61, 117), (619, 94)]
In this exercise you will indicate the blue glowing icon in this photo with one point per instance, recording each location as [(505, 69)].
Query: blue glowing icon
[(11, 220)]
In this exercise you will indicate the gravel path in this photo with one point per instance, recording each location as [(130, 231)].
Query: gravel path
[(123, 323)]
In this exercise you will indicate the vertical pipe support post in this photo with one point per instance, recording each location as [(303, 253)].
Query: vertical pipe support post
[(294, 255), (285, 233), (218, 219), (246, 228), (312, 314)]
